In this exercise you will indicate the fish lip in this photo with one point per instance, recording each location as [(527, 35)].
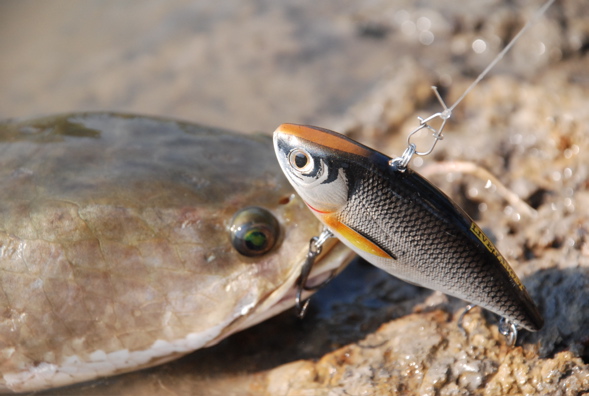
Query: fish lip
[(315, 279), (335, 251)]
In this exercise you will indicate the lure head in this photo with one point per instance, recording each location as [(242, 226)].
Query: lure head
[(313, 159), (323, 166)]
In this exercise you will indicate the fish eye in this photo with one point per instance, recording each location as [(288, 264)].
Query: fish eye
[(254, 231), (300, 160)]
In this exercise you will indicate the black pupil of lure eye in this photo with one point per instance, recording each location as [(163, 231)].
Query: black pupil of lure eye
[(254, 231), (300, 160)]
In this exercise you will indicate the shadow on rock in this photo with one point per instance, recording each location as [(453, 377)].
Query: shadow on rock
[(563, 298)]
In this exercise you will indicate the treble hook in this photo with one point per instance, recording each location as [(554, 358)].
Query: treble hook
[(315, 247), (507, 328), (467, 309)]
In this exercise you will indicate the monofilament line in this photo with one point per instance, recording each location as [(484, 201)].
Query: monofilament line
[(501, 54), (400, 163)]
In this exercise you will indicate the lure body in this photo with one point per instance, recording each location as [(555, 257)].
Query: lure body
[(399, 221)]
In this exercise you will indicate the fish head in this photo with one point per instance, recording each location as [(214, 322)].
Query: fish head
[(272, 240), (127, 241)]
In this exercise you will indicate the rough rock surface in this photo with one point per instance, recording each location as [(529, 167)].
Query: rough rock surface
[(426, 355), (366, 333)]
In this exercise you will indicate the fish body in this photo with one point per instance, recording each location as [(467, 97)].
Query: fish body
[(125, 242), (399, 221)]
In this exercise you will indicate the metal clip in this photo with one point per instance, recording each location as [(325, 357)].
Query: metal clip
[(401, 162), (315, 247)]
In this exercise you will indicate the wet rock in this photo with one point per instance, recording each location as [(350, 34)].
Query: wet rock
[(426, 355)]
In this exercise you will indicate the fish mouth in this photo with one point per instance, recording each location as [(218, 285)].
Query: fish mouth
[(334, 257), (324, 268)]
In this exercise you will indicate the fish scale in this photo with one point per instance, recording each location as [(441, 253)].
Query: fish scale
[(430, 250)]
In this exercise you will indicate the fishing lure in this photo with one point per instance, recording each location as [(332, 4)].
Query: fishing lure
[(397, 220)]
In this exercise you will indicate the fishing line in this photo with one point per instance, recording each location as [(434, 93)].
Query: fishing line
[(400, 163), (501, 54)]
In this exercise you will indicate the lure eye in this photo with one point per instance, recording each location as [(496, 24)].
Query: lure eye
[(300, 160), (254, 231)]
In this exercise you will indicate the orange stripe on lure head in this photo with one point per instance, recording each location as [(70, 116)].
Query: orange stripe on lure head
[(324, 137)]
